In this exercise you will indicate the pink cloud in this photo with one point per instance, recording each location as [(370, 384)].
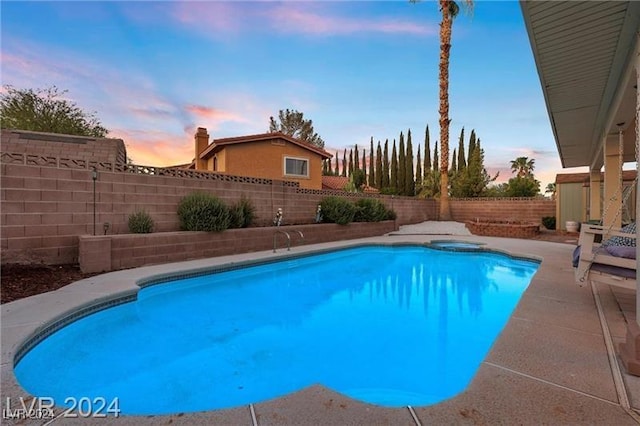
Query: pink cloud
[(211, 17), (220, 18), (155, 148), (208, 113), (297, 20)]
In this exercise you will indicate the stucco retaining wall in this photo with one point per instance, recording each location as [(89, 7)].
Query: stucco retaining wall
[(112, 252)]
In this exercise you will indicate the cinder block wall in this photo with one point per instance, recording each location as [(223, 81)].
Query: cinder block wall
[(45, 209), (501, 209), (50, 147)]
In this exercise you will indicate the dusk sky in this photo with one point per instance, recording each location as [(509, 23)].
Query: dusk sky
[(155, 71)]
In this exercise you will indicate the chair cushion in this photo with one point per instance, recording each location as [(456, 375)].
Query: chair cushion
[(623, 241), (576, 257), (627, 252)]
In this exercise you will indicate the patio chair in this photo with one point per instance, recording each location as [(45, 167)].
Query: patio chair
[(611, 262)]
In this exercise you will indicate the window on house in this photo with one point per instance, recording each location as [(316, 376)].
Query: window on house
[(215, 164), (296, 167)]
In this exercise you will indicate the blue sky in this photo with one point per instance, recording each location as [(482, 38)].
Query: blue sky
[(155, 71)]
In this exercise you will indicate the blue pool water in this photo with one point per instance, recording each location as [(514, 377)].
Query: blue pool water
[(392, 326)]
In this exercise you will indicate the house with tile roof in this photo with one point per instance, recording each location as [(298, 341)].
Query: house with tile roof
[(267, 156)]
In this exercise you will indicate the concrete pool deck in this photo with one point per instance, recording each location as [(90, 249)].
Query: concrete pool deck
[(548, 366)]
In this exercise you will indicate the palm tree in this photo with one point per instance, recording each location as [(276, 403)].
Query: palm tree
[(523, 167), (551, 188), (449, 10)]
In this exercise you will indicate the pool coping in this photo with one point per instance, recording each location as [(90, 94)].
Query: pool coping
[(21, 322)]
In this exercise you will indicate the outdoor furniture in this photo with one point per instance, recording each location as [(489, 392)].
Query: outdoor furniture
[(612, 262)]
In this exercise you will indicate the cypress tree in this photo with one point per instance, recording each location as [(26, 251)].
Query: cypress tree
[(325, 170), (356, 159), (378, 181), (409, 182), (418, 170), (472, 144), (473, 185), (462, 164), (344, 163), (453, 174), (372, 170), (427, 154), (350, 171), (386, 182), (394, 168), (402, 167), (364, 166), (436, 167), (337, 172), (454, 165)]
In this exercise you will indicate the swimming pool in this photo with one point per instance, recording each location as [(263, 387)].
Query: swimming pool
[(392, 326)]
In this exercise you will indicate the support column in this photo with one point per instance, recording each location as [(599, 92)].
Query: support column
[(630, 349), (612, 182), (637, 149), (595, 195)]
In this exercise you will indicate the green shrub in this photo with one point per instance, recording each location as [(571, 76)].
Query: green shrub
[(549, 222), (242, 213), (391, 215), (370, 210), (337, 210), (140, 223), (200, 211)]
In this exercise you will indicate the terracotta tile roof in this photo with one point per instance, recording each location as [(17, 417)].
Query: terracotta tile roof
[(339, 182), (627, 175), (217, 144), (334, 182)]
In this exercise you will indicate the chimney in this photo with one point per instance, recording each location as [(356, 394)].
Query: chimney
[(201, 143)]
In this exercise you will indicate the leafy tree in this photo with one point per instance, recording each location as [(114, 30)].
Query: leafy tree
[(386, 170), (41, 110), (409, 182), (523, 187), (379, 172), (402, 167), (394, 168), (359, 179), (431, 181), (372, 171), (474, 180), (499, 190), (293, 123), (523, 167)]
